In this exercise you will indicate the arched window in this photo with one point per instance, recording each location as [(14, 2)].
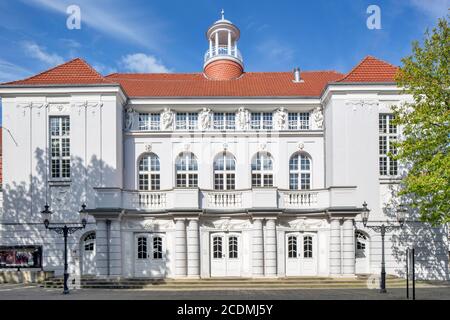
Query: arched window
[(361, 242), (262, 170), (149, 172), (225, 172), (186, 170), (299, 172), (89, 242)]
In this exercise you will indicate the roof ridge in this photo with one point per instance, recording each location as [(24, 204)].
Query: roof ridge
[(59, 66), (367, 57)]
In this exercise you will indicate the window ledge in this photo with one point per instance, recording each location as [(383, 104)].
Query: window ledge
[(387, 180), (59, 183)]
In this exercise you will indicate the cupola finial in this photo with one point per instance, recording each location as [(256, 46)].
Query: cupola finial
[(223, 14)]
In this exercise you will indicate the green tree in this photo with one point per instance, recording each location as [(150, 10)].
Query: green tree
[(425, 124)]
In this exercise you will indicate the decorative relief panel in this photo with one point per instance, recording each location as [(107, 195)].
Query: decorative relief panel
[(307, 224), (167, 119), (242, 119), (317, 117), (150, 224), (280, 119), (204, 119)]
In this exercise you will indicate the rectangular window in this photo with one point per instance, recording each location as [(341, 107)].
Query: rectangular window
[(186, 121), (230, 122), (255, 121), (267, 121), (224, 120), (219, 121), (387, 138), (192, 121), (298, 121), (149, 121), (261, 120), (60, 147), (181, 121)]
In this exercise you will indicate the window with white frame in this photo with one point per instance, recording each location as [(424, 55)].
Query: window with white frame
[(186, 170), (149, 172), (361, 241), (224, 120), (298, 121), (60, 147), (149, 121), (233, 247), (142, 248), (225, 172), (262, 170), (157, 247), (292, 247), (307, 247), (261, 120), (387, 138), (300, 172), (186, 121)]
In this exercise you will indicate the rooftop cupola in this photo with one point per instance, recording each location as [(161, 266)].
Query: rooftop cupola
[(223, 61)]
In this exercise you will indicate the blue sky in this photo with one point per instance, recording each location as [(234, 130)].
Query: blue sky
[(169, 35)]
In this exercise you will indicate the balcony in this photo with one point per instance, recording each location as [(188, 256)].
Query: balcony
[(223, 52), (196, 199)]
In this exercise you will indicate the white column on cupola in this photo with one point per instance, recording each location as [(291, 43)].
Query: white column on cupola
[(217, 42), (229, 42), (210, 48), (235, 49)]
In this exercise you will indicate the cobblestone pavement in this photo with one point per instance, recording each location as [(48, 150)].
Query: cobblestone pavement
[(30, 292)]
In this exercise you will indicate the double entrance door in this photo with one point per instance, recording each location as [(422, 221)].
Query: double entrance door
[(226, 252), (301, 254), (150, 255)]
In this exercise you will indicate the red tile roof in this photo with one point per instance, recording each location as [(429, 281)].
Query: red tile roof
[(76, 71), (250, 84), (371, 69)]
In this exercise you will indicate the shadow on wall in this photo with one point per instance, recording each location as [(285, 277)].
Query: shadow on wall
[(23, 202), (430, 243)]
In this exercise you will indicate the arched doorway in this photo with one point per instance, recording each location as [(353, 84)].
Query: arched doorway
[(362, 258), (88, 254)]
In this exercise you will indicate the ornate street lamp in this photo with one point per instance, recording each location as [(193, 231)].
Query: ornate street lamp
[(65, 231), (382, 229)]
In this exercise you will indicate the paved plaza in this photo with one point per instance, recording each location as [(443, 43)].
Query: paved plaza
[(32, 292)]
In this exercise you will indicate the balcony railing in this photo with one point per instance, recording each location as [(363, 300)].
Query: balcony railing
[(224, 199), (194, 198), (300, 199), (223, 51), (151, 200)]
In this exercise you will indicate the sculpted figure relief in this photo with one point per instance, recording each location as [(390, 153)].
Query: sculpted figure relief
[(317, 116), (280, 118), (204, 119), (242, 119), (129, 118), (167, 119)]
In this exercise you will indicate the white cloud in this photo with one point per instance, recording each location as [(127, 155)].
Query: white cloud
[(276, 51), (102, 69), (142, 63), (10, 72), (38, 52), (119, 20), (433, 8)]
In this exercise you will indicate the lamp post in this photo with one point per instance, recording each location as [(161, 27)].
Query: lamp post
[(382, 229), (65, 231)]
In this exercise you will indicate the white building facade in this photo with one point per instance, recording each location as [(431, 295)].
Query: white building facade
[(216, 174)]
